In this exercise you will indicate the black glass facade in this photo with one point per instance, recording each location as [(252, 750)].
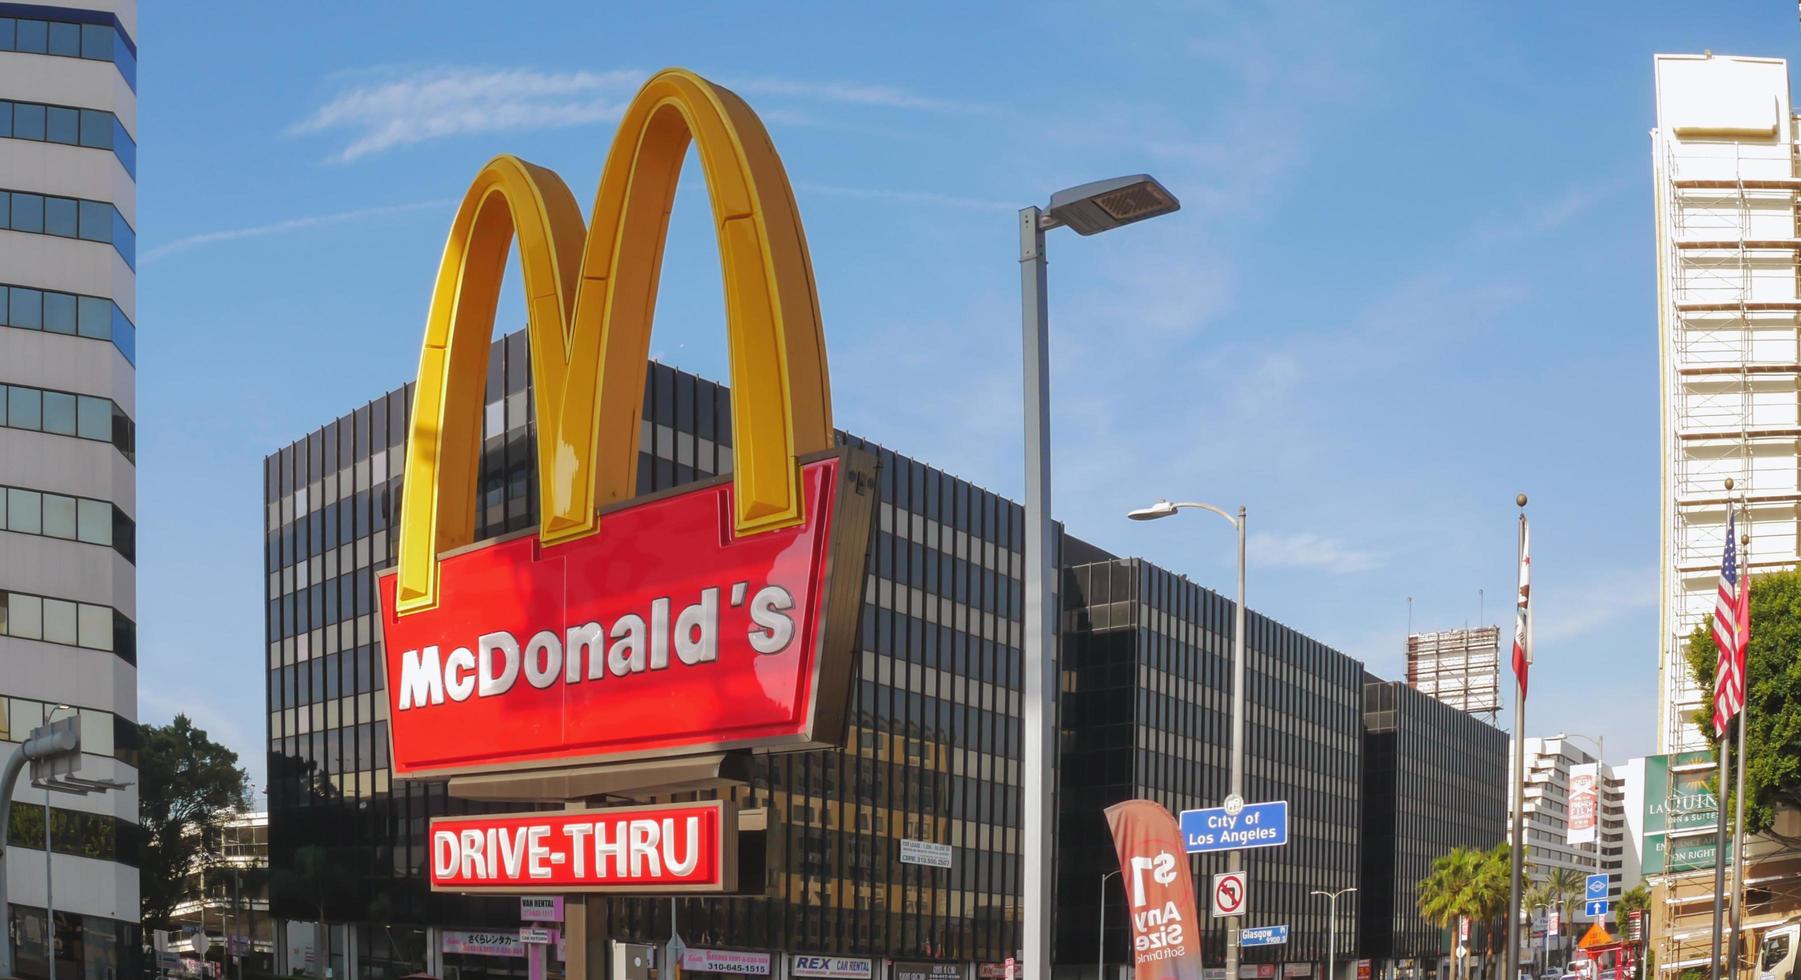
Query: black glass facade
[(932, 752), (1147, 661), (1434, 780), (933, 748)]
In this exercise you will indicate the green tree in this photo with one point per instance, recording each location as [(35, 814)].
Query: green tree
[(1772, 697), (1469, 883), (186, 781), (1636, 900)]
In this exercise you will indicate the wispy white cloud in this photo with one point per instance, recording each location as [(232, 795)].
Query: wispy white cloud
[(1304, 549), (383, 109), (931, 198), (853, 93), (1600, 603), (187, 242)]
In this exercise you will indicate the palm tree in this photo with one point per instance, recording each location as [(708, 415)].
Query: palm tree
[(1451, 891), (1566, 885)]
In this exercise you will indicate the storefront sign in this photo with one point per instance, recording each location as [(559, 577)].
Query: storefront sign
[(668, 848), (482, 943), (1297, 969), (837, 967), (1679, 813), (719, 616), (925, 852), (997, 971), (1159, 891), (536, 935), (1363, 969), (1256, 971), (541, 908), (725, 961), (925, 971), (1584, 803)]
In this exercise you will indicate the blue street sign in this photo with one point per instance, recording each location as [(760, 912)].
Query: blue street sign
[(1256, 825), (1595, 908), (1597, 887), (1263, 936)]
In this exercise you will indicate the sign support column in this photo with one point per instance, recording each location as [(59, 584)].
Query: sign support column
[(1040, 639)]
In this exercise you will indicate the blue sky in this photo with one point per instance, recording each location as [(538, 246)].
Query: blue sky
[(1413, 275)]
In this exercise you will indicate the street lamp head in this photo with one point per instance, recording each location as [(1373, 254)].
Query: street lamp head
[(1106, 204), (1161, 508)]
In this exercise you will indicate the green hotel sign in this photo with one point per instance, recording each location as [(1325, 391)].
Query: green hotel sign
[(1679, 816)]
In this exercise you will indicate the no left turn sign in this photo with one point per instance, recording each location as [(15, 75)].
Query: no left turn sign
[(1228, 894)]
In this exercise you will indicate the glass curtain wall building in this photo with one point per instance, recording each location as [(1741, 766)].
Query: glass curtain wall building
[(1432, 782), (932, 752), (1147, 673), (68, 484)]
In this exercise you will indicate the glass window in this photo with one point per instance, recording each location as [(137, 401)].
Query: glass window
[(9, 33), (6, 210), (24, 410), (59, 313), (97, 42), (124, 147), (97, 129), (94, 523), (96, 726), (62, 125), (94, 418), (33, 36), (25, 308), (59, 621), (59, 414), (125, 240), (23, 508), (97, 221), (125, 334), (28, 121), (59, 516), (6, 118), (96, 631), (59, 216), (94, 317), (25, 617), (28, 212), (65, 39)]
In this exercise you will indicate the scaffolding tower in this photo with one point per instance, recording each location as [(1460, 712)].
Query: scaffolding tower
[(1729, 237)]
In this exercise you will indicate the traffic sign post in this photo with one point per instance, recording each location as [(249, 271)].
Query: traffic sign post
[(1228, 894), (1595, 908), (1231, 828)]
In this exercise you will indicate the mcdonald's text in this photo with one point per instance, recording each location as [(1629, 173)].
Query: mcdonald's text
[(681, 846), (665, 631)]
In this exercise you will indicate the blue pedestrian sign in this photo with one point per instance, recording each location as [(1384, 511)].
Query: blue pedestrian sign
[(1597, 888), (1595, 908), (1219, 829), (1263, 936)]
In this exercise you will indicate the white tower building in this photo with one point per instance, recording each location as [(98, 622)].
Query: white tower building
[(1729, 295), (68, 484)]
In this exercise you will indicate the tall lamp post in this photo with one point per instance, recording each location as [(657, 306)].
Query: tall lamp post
[(1235, 789), (1331, 928), (1100, 938), (1088, 210)]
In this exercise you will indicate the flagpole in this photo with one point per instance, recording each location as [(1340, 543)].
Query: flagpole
[(1725, 781), (1519, 777), (1744, 715)]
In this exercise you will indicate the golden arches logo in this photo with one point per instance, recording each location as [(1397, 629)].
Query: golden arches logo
[(590, 297)]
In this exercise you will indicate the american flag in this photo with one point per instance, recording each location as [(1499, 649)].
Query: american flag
[(1731, 631)]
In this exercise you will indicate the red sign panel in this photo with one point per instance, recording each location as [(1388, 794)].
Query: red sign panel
[(1153, 870), (663, 633), (678, 847)]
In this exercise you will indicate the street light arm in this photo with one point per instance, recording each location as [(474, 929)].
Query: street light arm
[(1197, 505)]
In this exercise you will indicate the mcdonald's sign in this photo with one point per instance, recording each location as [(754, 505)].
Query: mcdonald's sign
[(716, 616)]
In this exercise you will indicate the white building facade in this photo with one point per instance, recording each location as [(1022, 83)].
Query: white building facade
[(1547, 799), (1729, 295), (68, 507)]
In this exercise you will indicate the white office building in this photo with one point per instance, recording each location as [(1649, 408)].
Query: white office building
[(1729, 294), (68, 485), (1547, 804)]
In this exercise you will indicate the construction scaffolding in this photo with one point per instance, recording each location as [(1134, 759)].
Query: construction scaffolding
[(1729, 238), (1461, 668)]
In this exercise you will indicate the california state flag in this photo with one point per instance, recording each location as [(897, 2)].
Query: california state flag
[(1522, 620)]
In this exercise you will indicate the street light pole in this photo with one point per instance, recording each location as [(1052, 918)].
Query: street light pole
[(1235, 774), (1331, 929), (1088, 209), (1100, 949)]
